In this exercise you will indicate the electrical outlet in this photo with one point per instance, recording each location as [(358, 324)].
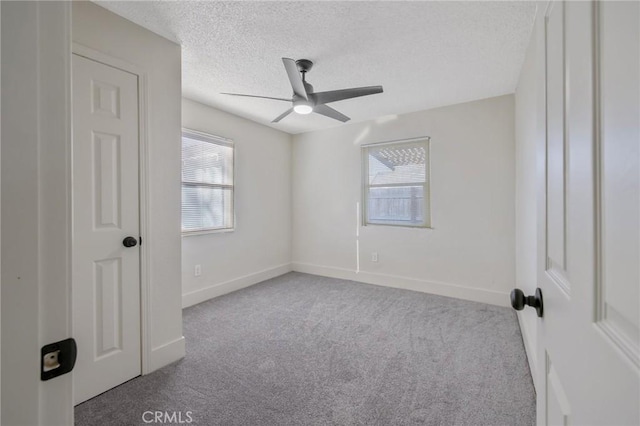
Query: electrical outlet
[(374, 256), (197, 271)]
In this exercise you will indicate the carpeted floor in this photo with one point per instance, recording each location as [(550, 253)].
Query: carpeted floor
[(307, 350)]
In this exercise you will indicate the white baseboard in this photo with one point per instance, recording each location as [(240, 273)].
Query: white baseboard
[(215, 290), (528, 337), (432, 287), (166, 354)]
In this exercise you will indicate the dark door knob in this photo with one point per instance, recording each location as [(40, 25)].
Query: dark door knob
[(519, 300), (129, 242)]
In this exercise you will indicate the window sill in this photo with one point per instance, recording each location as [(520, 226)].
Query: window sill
[(388, 225), (207, 231)]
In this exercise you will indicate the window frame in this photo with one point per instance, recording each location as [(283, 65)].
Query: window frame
[(216, 140), (365, 185)]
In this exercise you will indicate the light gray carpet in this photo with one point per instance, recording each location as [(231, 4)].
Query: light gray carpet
[(307, 350)]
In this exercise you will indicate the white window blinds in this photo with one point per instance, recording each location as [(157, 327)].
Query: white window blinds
[(396, 183), (207, 182)]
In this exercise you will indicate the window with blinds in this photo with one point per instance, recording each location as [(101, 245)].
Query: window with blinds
[(207, 182), (396, 183)]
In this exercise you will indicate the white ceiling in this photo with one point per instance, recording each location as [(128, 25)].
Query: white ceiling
[(424, 54)]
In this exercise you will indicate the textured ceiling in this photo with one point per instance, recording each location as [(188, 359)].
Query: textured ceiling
[(425, 54)]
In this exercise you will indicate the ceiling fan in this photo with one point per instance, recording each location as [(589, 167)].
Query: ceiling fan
[(305, 100)]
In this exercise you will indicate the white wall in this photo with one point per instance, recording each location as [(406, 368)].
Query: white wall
[(526, 120), (260, 246), (470, 252), (160, 60)]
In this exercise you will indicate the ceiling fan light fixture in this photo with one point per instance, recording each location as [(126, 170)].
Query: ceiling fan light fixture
[(303, 109)]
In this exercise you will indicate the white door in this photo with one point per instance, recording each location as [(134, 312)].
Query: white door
[(106, 274), (589, 215)]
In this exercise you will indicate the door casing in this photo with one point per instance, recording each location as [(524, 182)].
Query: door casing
[(145, 283)]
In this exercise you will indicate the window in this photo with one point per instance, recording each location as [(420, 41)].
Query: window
[(396, 183), (207, 182)]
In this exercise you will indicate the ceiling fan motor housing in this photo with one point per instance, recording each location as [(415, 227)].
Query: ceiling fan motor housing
[(309, 88)]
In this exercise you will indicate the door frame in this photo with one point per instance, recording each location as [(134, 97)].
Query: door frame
[(542, 362), (143, 161), (38, 64)]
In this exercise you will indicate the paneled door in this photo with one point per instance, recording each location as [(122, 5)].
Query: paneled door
[(589, 215), (106, 256)]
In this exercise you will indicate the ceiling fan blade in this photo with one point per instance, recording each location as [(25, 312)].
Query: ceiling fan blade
[(330, 112), (294, 77), (261, 97), (283, 115), (339, 95)]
